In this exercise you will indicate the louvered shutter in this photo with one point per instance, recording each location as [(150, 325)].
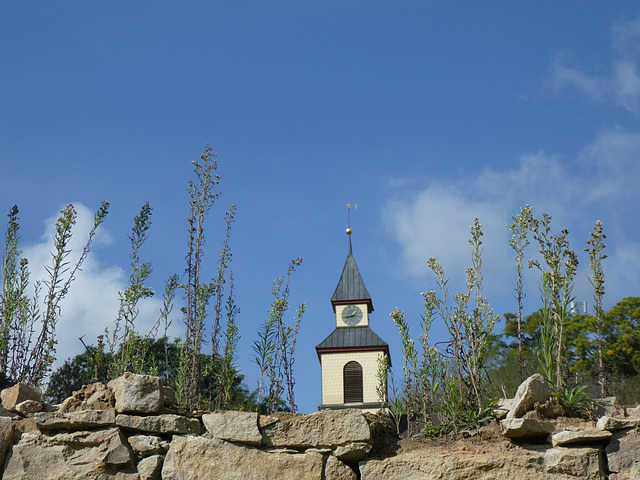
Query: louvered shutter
[(352, 382)]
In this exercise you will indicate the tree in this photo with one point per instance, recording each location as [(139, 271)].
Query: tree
[(621, 343), (71, 376), (92, 366)]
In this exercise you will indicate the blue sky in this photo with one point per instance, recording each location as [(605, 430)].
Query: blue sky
[(427, 114)]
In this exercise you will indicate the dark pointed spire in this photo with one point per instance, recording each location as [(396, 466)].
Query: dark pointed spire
[(351, 288)]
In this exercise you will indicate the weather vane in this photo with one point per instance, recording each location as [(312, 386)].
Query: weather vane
[(349, 217)]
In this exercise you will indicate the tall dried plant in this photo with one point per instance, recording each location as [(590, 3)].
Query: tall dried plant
[(596, 278), (560, 264), (518, 242), (27, 336), (123, 340), (197, 294), (469, 330), (274, 350)]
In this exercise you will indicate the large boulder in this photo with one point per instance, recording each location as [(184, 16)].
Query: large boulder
[(208, 459), (6, 437), (19, 393), (70, 456), (150, 468), (623, 451), (532, 463), (574, 462), (233, 426), (534, 389), (137, 393), (608, 406), (334, 469), (326, 428)]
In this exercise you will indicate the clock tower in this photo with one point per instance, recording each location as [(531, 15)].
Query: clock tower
[(349, 356)]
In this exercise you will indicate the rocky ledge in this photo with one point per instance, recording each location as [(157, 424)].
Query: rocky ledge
[(129, 429)]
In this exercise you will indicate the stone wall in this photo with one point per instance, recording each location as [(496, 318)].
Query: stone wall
[(129, 429)]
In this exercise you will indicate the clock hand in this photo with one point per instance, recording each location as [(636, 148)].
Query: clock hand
[(350, 315)]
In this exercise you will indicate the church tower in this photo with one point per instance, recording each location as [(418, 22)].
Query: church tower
[(349, 356)]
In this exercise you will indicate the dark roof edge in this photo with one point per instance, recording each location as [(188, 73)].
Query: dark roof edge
[(343, 406), (370, 348)]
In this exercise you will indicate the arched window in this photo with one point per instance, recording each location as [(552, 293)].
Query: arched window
[(353, 382)]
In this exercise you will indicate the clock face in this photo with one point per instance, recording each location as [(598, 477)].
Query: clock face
[(351, 315)]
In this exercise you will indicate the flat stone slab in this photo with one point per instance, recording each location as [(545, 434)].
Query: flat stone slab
[(614, 424), (163, 424), (568, 437), (525, 427), (75, 420)]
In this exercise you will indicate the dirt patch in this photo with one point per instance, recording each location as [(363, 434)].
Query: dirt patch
[(482, 440), (486, 439), (387, 443)]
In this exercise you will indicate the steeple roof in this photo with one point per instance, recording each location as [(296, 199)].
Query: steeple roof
[(351, 288), (353, 337)]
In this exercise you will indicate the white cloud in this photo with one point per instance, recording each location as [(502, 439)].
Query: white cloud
[(92, 301), (621, 270), (535, 176), (436, 223), (435, 220), (626, 84), (625, 37), (620, 85), (615, 155), (563, 76)]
